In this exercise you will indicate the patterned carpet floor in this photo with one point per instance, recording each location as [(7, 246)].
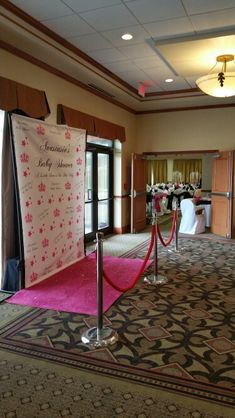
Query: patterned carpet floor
[(175, 355)]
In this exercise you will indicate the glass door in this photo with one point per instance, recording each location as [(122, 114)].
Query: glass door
[(98, 191)]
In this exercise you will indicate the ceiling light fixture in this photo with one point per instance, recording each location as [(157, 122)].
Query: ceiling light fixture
[(221, 83), (127, 36), (169, 80)]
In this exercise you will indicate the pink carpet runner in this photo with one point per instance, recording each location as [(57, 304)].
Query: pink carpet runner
[(75, 290)]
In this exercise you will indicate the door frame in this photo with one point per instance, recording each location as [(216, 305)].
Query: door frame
[(96, 149), (138, 192)]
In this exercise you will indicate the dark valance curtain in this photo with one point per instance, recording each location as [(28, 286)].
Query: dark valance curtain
[(94, 126), (16, 97), (75, 119)]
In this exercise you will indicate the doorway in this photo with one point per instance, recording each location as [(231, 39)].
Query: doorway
[(98, 188)]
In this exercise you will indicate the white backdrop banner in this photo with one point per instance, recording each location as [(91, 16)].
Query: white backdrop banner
[(50, 163)]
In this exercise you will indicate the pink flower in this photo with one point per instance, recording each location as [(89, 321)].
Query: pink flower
[(41, 187), (33, 277), (40, 130)]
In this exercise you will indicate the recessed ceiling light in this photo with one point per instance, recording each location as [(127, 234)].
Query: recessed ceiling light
[(127, 36), (169, 80)]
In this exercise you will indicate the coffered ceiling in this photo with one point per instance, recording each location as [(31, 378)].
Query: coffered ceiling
[(176, 39)]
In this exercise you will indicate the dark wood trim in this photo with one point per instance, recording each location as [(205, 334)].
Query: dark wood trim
[(171, 95), (46, 31), (210, 151), (122, 230), (182, 109), (123, 196), (24, 55), (173, 92)]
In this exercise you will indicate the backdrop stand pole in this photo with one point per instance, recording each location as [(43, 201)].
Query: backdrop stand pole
[(176, 249), (155, 278), (99, 336)]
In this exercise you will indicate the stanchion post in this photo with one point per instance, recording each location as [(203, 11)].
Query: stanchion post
[(155, 278), (99, 336), (176, 250), (176, 229), (99, 275)]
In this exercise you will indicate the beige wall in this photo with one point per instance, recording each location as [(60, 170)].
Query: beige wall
[(187, 130)]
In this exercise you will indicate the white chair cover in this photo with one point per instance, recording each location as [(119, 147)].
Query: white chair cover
[(191, 222)]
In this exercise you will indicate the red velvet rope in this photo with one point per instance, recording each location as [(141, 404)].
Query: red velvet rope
[(172, 231), (121, 289)]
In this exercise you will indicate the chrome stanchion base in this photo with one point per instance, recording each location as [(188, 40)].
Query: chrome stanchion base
[(155, 279), (95, 338)]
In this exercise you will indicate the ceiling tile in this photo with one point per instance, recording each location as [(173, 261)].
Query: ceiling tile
[(168, 28), (91, 42), (196, 57), (121, 66), (108, 18), (215, 20), (201, 6), (135, 78), (153, 89), (138, 32), (107, 55), (144, 63), (137, 51), (69, 26), (86, 5), (35, 8), (159, 74), (191, 81), (154, 10), (136, 75), (179, 83)]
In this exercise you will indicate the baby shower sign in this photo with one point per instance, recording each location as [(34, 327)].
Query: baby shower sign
[(50, 162)]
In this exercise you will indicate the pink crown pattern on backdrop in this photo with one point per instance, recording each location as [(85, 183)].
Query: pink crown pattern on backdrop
[(59, 264), (67, 134), (24, 158), (25, 142), (28, 202), (56, 212), (67, 185), (45, 242), (42, 187), (79, 161), (33, 277), (40, 130), (26, 172), (51, 206), (28, 218)]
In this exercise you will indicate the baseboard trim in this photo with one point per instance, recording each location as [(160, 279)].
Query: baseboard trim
[(122, 230)]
